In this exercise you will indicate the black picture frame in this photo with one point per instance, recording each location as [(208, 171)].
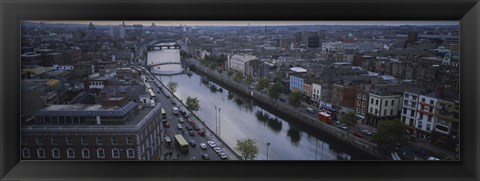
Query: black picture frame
[(12, 12)]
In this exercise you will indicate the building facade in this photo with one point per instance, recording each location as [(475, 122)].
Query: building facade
[(382, 106), (237, 61)]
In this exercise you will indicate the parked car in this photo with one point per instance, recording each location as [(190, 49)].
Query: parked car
[(179, 127), (201, 132), (189, 128), (167, 139), (310, 110), (358, 134), (367, 132), (217, 149), (341, 125), (282, 99), (211, 144), (181, 120), (222, 155), (191, 133)]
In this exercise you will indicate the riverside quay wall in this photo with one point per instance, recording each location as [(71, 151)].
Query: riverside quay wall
[(288, 112)]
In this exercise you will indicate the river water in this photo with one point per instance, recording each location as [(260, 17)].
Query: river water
[(240, 118)]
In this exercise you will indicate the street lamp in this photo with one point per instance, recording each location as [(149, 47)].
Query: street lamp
[(216, 131), (268, 144), (219, 127)]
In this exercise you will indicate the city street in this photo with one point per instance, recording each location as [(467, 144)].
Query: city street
[(194, 153)]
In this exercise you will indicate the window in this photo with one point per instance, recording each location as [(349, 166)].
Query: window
[(26, 153), (364, 97), (371, 101), (359, 96), (358, 102), (371, 110), (363, 111), (376, 110), (421, 116), (363, 104), (376, 102), (69, 140), (358, 110), (39, 141), (41, 153), (428, 126), (423, 99), (391, 111), (114, 140), (393, 102), (129, 140), (414, 97), (85, 153), (55, 153), (99, 140), (404, 110), (406, 96), (431, 101), (384, 112), (130, 153), (115, 153), (84, 140), (70, 153), (405, 103), (100, 153)]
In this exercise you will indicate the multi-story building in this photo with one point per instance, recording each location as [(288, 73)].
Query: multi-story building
[(361, 102), (382, 105), (93, 132), (343, 96), (409, 107), (446, 132), (256, 68), (425, 115), (237, 61), (307, 87), (296, 82)]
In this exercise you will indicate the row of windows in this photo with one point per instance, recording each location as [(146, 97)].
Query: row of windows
[(384, 112), (70, 153), (362, 102), (83, 140), (360, 97), (386, 102)]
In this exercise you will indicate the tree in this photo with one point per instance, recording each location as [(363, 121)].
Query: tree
[(238, 77), (192, 104), (230, 73), (172, 86), (389, 134), (261, 84), (349, 120), (275, 91), (295, 98), (248, 148), (249, 79)]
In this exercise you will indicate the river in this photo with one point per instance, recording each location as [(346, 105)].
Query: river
[(242, 118)]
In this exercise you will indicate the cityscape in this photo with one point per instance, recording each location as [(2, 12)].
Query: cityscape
[(240, 90)]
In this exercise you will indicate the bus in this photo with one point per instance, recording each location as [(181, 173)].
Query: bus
[(164, 114), (181, 143), (151, 93)]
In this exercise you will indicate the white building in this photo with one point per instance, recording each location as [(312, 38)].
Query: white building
[(382, 107), (316, 92), (237, 61), (409, 108), (425, 115)]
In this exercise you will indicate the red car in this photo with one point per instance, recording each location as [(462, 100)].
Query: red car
[(358, 134)]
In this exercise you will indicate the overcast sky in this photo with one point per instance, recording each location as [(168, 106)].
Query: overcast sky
[(258, 23)]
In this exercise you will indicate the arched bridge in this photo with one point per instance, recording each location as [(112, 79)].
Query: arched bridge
[(163, 63), (161, 46)]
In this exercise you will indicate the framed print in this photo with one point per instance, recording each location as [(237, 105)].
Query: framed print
[(248, 90)]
